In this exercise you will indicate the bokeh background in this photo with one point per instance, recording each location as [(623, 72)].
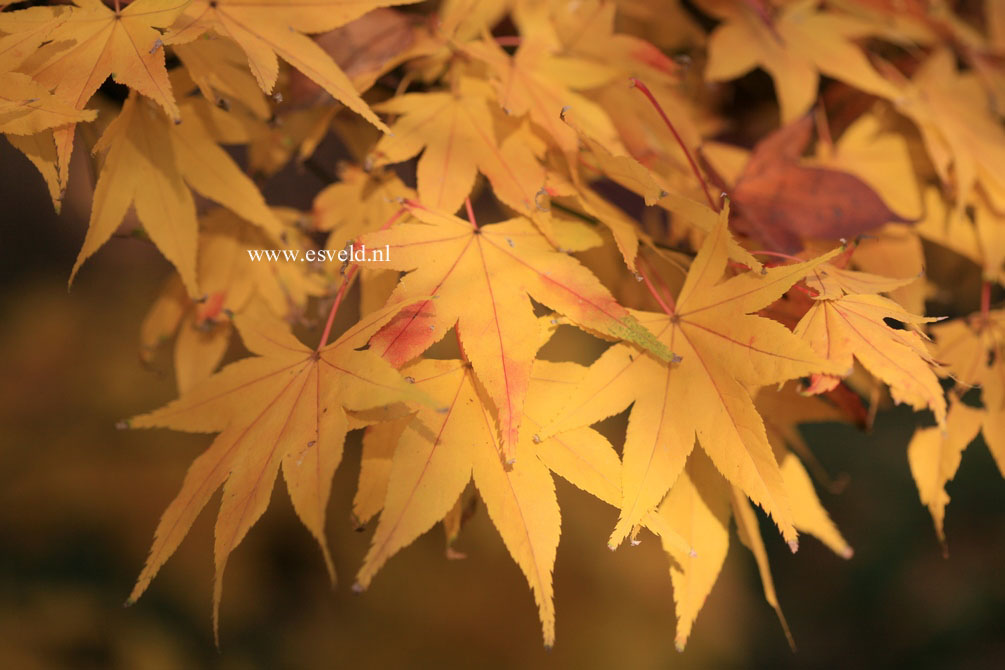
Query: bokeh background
[(79, 501)]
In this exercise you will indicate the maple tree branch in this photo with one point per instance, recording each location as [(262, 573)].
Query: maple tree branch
[(636, 83)]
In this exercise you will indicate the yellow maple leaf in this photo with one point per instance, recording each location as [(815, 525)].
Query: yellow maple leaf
[(284, 408), (698, 507), (219, 68), (455, 131), (783, 410), (228, 283), (795, 47), (853, 326), (27, 107), (972, 350), (483, 279), (959, 129), (536, 83), (150, 165), (268, 29), (934, 456), (749, 532), (724, 351), (123, 44), (439, 453), (23, 31)]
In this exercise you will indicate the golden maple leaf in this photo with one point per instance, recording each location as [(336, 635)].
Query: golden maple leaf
[(725, 351), (284, 408)]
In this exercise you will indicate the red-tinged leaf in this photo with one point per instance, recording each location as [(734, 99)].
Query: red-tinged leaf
[(482, 280), (783, 202)]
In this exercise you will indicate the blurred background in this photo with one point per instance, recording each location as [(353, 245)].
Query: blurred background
[(79, 501)]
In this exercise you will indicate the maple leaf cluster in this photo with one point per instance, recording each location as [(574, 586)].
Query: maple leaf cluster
[(740, 291)]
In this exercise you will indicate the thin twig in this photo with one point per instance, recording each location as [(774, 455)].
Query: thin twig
[(635, 83)]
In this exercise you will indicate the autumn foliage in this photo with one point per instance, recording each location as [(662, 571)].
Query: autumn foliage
[(534, 167)]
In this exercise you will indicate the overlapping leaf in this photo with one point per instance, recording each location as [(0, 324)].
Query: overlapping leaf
[(123, 44), (439, 452), (150, 165), (706, 395), (456, 133), (853, 326), (268, 29), (285, 407), (536, 83), (27, 107), (228, 283), (795, 47), (483, 280)]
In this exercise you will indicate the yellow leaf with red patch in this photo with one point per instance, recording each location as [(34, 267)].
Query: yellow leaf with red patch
[(483, 279)]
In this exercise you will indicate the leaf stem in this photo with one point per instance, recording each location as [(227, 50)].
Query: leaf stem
[(661, 284), (509, 40), (777, 254), (471, 212), (350, 275), (652, 289), (635, 83), (845, 257)]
